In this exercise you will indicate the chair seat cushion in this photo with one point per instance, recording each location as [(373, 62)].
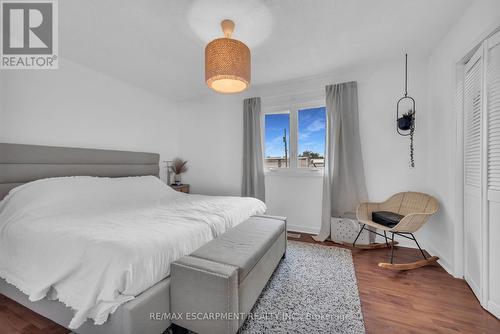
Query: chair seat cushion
[(386, 218)]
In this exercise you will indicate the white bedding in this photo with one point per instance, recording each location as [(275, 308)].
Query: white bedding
[(96, 243)]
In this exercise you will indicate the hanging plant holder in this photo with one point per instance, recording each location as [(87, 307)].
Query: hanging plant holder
[(405, 115)]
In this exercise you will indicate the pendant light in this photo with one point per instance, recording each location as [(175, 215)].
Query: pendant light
[(227, 62)]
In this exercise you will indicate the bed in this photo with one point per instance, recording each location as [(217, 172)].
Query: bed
[(90, 235)]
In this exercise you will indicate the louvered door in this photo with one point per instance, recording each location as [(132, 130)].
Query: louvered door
[(492, 105), (481, 100), (473, 137)]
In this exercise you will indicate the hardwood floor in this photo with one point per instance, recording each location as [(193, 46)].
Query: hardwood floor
[(425, 300), (17, 319)]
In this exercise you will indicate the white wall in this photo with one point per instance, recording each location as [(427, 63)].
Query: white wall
[(76, 106), (443, 234), (296, 197), (2, 124), (211, 139), (432, 83)]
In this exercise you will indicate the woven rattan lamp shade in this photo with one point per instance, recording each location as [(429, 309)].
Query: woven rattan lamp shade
[(227, 65)]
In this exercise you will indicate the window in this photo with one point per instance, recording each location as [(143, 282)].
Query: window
[(311, 137), (295, 139), (277, 147)]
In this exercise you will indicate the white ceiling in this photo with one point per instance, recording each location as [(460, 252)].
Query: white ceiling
[(159, 44)]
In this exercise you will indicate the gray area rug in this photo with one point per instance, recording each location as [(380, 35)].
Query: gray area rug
[(313, 290)]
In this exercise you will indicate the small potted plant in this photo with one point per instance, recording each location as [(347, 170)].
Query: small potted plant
[(178, 167)]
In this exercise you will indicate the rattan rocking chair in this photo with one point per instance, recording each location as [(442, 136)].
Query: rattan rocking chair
[(413, 210)]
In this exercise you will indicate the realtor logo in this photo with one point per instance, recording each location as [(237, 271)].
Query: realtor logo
[(29, 34)]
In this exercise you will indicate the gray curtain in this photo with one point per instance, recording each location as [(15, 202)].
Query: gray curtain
[(253, 168), (344, 184)]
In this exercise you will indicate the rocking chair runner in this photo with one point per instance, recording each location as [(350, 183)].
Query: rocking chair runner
[(402, 214)]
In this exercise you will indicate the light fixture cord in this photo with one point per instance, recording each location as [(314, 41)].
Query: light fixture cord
[(406, 75)]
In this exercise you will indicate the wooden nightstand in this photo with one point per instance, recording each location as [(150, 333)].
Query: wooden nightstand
[(183, 188)]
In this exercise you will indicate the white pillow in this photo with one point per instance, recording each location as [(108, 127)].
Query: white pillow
[(85, 194)]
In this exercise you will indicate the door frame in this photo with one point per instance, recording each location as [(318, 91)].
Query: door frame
[(459, 238), (475, 55), (462, 56)]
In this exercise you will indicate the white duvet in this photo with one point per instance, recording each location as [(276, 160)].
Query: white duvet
[(96, 243)]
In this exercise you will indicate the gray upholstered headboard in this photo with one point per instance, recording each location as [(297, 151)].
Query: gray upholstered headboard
[(24, 163)]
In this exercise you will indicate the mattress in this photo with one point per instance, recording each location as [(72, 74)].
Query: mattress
[(96, 243)]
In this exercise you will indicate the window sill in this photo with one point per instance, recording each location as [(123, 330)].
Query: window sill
[(295, 172)]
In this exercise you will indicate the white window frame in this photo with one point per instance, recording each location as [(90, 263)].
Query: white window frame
[(293, 110)]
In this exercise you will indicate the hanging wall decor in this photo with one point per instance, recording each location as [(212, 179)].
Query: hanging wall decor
[(405, 115)]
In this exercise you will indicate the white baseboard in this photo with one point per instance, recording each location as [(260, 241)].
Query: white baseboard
[(494, 308), (405, 243), (303, 229), (443, 262)]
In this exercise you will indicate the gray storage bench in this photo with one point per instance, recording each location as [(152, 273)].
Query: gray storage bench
[(213, 289)]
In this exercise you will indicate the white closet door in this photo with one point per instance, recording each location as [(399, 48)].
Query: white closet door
[(492, 60), (472, 171)]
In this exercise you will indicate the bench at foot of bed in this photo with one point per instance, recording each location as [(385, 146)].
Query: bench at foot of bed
[(215, 287)]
